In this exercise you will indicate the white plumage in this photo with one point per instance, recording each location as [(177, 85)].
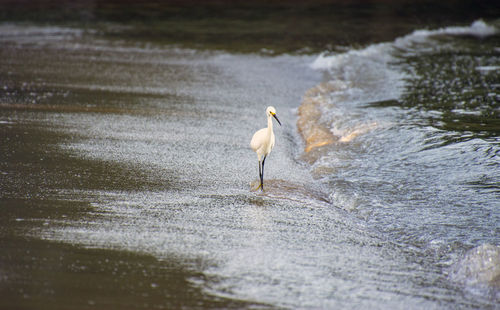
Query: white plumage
[(263, 142)]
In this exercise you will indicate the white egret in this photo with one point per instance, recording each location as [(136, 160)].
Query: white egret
[(263, 142)]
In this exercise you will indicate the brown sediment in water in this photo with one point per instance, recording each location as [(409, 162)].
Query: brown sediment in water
[(313, 133), (359, 130), (310, 128), (309, 124)]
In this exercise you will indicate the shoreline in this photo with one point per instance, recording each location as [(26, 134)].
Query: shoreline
[(153, 175)]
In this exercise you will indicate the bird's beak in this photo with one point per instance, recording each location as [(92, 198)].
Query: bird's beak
[(274, 115)]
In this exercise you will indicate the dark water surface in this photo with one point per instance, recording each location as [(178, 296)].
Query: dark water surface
[(126, 175)]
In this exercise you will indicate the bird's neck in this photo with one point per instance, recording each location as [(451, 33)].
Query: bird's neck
[(270, 123)]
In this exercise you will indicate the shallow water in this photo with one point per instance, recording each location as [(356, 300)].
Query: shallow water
[(412, 143), (126, 173)]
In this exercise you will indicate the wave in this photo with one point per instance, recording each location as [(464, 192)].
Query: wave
[(367, 141), (382, 50), (479, 270), (327, 113), (478, 28)]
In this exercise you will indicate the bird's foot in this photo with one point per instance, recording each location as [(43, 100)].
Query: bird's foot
[(261, 186)]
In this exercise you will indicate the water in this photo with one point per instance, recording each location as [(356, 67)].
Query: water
[(126, 173), (434, 146), (413, 135)]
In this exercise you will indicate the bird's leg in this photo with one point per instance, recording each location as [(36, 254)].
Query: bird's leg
[(262, 175)]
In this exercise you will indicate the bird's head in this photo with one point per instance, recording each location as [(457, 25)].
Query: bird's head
[(271, 111)]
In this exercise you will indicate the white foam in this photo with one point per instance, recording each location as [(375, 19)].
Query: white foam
[(479, 270), (368, 72), (478, 28), (381, 51), (324, 62), (20, 30), (487, 68)]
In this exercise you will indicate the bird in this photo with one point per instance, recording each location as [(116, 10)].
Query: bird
[(263, 142)]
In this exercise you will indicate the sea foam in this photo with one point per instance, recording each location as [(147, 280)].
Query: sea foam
[(479, 270)]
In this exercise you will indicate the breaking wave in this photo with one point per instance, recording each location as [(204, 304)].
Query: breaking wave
[(328, 114)]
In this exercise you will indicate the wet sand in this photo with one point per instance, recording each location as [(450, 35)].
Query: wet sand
[(80, 139), (40, 186)]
